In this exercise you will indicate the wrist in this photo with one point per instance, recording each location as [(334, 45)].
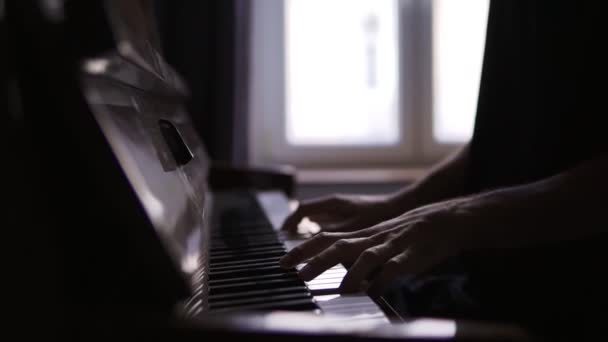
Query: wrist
[(481, 220)]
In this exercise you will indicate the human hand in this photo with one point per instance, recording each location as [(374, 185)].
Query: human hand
[(408, 244), (344, 213)]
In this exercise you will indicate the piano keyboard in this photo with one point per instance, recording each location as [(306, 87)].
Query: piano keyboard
[(244, 271)]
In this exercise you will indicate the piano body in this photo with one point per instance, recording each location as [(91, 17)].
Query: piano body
[(141, 241)]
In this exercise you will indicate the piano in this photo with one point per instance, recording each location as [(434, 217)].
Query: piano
[(147, 234)]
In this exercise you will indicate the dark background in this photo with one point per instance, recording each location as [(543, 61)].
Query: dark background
[(207, 42)]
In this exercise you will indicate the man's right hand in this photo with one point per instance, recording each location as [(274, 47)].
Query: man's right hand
[(345, 213)]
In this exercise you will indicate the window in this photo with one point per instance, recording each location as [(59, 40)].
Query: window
[(364, 82), (342, 69), (458, 45)]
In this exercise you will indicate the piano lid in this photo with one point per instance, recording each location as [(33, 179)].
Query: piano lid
[(137, 100)]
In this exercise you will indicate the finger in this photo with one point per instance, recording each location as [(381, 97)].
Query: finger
[(345, 226), (403, 263), (308, 249), (292, 221), (306, 209), (369, 261), (339, 251)]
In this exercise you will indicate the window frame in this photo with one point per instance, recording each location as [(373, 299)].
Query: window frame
[(267, 108)]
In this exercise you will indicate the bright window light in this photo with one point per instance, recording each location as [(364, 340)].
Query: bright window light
[(342, 72), (459, 31)]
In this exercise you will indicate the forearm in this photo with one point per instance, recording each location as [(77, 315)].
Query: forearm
[(446, 180), (568, 206)]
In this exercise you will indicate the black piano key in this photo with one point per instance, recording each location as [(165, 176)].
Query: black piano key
[(244, 235), (243, 221), (246, 272), (253, 285), (245, 238), (288, 275), (221, 246), (294, 305), (249, 251), (233, 257), (248, 224), (217, 247), (248, 255), (224, 247), (250, 217), (258, 293), (243, 230), (250, 269), (231, 246), (249, 261), (254, 262), (216, 282), (243, 243), (245, 224), (245, 262), (278, 299)]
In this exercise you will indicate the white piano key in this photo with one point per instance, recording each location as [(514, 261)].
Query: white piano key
[(351, 307)]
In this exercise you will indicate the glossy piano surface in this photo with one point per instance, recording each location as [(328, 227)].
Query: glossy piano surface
[(138, 103), (173, 195), (278, 326)]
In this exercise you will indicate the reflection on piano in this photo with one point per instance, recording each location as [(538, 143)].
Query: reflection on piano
[(149, 245)]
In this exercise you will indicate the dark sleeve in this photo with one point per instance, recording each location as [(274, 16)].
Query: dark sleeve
[(532, 120)]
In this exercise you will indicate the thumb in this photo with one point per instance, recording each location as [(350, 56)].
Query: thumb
[(304, 209)]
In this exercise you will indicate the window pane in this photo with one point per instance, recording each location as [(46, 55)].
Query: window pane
[(459, 30), (342, 72)]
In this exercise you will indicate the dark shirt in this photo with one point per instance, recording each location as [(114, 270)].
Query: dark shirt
[(531, 122), (536, 118)]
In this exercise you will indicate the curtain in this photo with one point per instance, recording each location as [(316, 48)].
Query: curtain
[(207, 42)]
